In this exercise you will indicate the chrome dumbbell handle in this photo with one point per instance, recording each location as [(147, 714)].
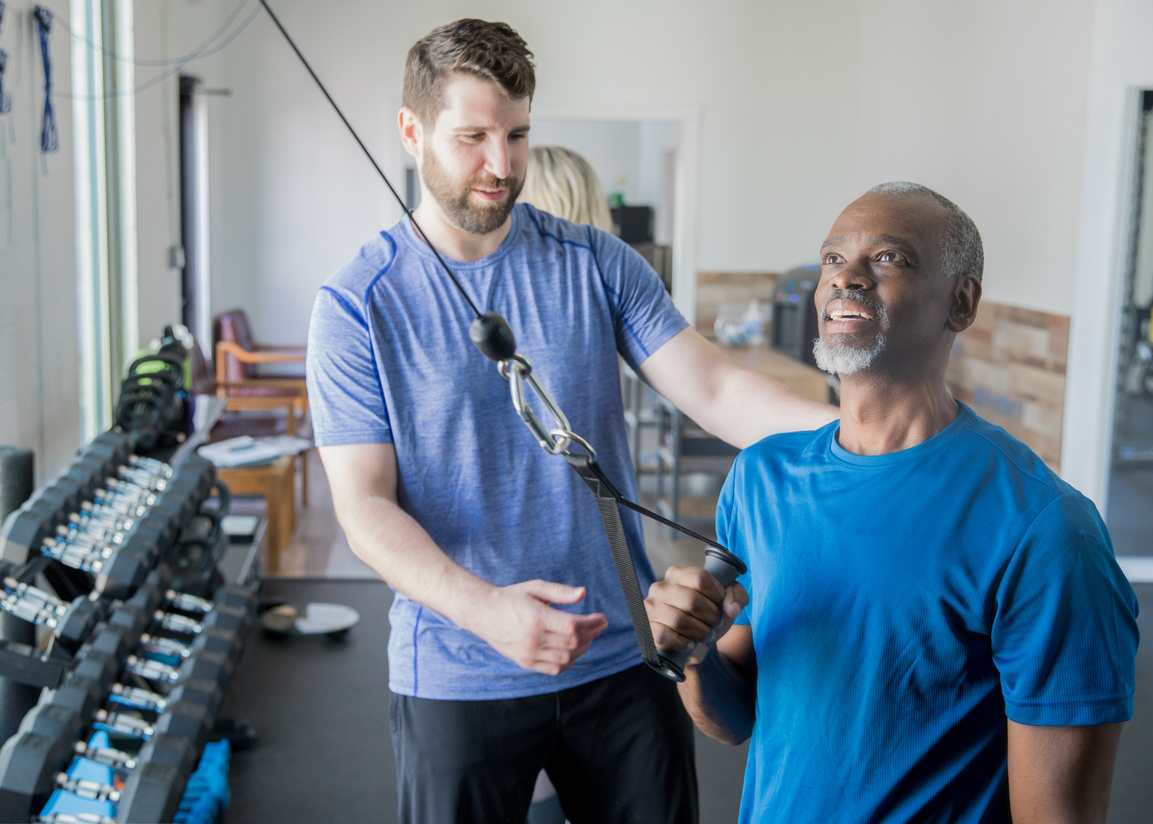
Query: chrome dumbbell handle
[(178, 623), (116, 759), (165, 646), (141, 477), (188, 603), (152, 465), (70, 818), (152, 670), (139, 698), (83, 787), (124, 724), (34, 595)]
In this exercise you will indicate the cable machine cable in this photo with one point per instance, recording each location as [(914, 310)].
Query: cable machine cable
[(491, 334)]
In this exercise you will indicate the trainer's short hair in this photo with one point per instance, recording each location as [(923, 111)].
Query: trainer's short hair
[(561, 182), (492, 51), (962, 252)]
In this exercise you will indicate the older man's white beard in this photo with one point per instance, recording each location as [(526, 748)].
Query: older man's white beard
[(842, 359)]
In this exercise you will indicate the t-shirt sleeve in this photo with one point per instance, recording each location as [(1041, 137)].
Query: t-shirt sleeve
[(1064, 634), (726, 537), (645, 314), (345, 394)]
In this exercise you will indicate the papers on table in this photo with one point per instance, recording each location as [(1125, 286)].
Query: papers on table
[(246, 450)]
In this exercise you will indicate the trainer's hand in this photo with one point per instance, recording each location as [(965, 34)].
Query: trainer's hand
[(690, 607), (522, 627)]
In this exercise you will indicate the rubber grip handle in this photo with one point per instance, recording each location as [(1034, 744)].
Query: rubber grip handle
[(724, 571)]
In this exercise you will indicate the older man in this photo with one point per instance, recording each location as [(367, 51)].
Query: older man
[(936, 628)]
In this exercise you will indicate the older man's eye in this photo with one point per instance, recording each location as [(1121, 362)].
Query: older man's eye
[(889, 257), (831, 259)]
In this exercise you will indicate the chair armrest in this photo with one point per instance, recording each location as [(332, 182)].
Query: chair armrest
[(226, 347)]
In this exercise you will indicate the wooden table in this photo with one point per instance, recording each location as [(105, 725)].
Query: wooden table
[(807, 381), (276, 482)]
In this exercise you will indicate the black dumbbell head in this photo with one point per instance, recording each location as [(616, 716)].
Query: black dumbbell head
[(53, 720), (29, 763), (82, 617), (82, 693), (122, 573), (152, 793)]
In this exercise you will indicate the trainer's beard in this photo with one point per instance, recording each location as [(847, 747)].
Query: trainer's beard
[(476, 218), (843, 359)]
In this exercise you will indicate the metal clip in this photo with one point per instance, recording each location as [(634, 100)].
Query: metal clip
[(518, 371)]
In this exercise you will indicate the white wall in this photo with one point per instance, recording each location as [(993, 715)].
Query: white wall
[(39, 380), (1013, 109), (804, 105), (1121, 64), (158, 181)]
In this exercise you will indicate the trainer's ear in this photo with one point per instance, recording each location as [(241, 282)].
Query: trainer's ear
[(411, 132), (966, 296)]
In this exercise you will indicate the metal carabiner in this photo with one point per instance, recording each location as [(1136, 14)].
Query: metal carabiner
[(517, 370)]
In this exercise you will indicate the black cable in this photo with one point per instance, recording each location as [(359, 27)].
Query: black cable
[(371, 159)]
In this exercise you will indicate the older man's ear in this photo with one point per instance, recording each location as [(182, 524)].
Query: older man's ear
[(966, 296)]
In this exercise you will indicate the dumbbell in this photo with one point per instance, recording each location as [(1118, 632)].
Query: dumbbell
[(32, 768), (210, 656), (70, 622), (118, 572), (73, 818), (143, 611), (87, 694), (60, 721)]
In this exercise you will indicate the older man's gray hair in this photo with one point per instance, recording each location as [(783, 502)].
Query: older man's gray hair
[(962, 250)]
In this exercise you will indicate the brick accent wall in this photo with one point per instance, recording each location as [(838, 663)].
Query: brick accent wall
[(1010, 368)]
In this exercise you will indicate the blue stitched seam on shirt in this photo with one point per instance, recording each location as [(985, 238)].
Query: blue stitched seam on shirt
[(415, 627), (348, 307), (600, 273), (371, 342)]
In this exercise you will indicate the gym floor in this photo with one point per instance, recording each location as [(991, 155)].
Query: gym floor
[(319, 707)]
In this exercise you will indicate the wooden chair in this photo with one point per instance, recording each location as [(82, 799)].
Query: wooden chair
[(283, 412), (239, 359)]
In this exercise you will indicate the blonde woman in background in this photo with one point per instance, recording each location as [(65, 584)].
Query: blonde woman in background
[(561, 182)]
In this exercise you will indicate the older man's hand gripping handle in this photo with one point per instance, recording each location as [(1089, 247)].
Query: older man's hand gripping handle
[(687, 604)]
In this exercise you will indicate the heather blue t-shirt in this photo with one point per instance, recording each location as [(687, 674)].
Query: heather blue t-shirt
[(390, 361), (902, 606)]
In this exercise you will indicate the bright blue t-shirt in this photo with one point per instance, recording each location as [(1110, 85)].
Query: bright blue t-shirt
[(390, 361), (902, 606)]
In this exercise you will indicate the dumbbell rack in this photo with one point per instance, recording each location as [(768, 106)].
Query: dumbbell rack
[(139, 642)]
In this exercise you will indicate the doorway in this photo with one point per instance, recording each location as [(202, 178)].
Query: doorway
[(1129, 515)]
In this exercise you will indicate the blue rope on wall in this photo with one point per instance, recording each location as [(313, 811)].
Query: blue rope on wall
[(5, 99), (48, 140)]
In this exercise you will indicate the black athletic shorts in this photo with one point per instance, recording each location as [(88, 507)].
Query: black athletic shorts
[(617, 750)]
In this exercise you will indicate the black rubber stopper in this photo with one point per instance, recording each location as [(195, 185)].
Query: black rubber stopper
[(493, 336)]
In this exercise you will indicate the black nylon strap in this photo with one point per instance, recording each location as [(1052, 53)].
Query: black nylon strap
[(721, 562), (607, 499)]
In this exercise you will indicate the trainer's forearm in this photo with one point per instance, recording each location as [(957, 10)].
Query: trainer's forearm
[(720, 698), (398, 548), (749, 406)]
